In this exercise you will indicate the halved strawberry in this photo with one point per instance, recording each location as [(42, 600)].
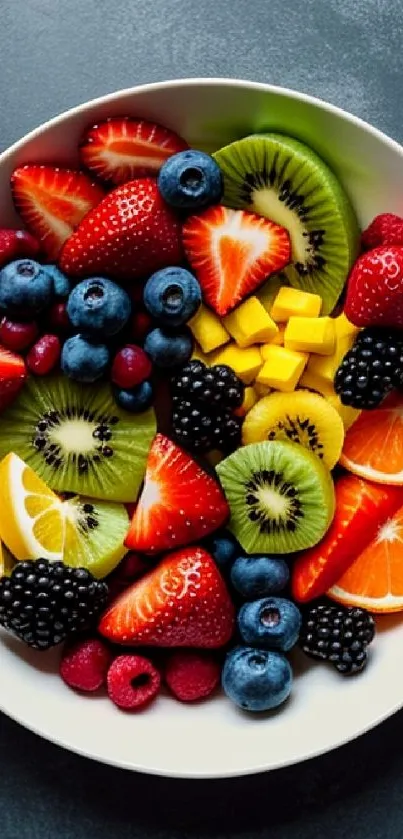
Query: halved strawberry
[(232, 252), (129, 235), (183, 602), (361, 508), (52, 201), (13, 373), (121, 148), (180, 502)]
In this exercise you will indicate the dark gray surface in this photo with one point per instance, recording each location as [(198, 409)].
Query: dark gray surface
[(55, 54)]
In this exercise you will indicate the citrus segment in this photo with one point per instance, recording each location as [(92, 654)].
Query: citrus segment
[(373, 446), (375, 579)]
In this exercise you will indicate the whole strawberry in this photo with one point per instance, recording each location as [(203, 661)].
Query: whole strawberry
[(130, 234), (385, 229), (375, 288)]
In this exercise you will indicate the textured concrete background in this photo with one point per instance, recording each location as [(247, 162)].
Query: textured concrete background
[(55, 54)]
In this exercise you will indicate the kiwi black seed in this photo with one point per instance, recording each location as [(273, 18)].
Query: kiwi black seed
[(281, 497), (77, 439), (282, 179)]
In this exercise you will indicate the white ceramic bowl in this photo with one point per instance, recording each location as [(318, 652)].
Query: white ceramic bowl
[(214, 739)]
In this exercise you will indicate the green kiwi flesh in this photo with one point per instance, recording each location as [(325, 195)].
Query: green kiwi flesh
[(95, 534), (280, 178), (281, 497), (77, 439)]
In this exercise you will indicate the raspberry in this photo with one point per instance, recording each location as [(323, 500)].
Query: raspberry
[(131, 367), (85, 664), (192, 675), (385, 229), (132, 682), (18, 336), (44, 355)]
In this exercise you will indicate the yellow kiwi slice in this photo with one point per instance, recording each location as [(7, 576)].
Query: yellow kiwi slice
[(301, 417)]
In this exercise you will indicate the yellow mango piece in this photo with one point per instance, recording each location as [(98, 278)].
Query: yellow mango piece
[(199, 355), (250, 324), (324, 367), (346, 412), (245, 363), (343, 327), (208, 330), (262, 390), (249, 398), (316, 335), (282, 368), (293, 301), (279, 337)]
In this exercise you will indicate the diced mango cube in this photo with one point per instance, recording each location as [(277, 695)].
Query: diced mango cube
[(315, 382), (343, 327), (249, 398), (293, 301), (250, 324), (199, 355), (269, 290), (262, 390), (245, 363), (279, 337), (282, 368), (316, 335), (324, 368), (208, 330)]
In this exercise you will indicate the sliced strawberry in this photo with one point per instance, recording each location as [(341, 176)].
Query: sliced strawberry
[(232, 252), (52, 201), (121, 148), (183, 602), (129, 235), (180, 502), (13, 373), (361, 508)]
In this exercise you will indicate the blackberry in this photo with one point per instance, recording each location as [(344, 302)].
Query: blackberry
[(227, 433), (371, 369), (337, 634), (44, 602), (217, 385)]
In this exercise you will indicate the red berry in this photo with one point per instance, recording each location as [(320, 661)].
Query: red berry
[(385, 229), (192, 674), (16, 244), (132, 681), (131, 367), (59, 319), (44, 355), (140, 325), (17, 336), (85, 664)]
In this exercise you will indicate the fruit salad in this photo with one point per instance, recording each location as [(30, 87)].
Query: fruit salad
[(201, 437)]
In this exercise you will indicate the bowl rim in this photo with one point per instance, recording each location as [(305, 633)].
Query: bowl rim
[(171, 85)]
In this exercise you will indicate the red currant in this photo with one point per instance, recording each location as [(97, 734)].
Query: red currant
[(131, 367), (44, 355), (16, 244), (59, 319), (140, 325), (17, 336)]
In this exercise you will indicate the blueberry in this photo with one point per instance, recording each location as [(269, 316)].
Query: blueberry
[(190, 180), (83, 360), (259, 576), (224, 548), (25, 287), (272, 622), (168, 349), (172, 296), (137, 399), (98, 305), (256, 680), (61, 283)]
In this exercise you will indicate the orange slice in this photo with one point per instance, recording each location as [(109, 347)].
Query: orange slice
[(375, 579), (373, 446), (32, 522)]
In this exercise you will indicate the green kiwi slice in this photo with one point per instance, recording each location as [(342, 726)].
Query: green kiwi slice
[(282, 179), (94, 534), (77, 439), (281, 497)]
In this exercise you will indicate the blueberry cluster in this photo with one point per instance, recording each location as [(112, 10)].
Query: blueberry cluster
[(257, 675), (337, 634), (371, 369), (204, 401)]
